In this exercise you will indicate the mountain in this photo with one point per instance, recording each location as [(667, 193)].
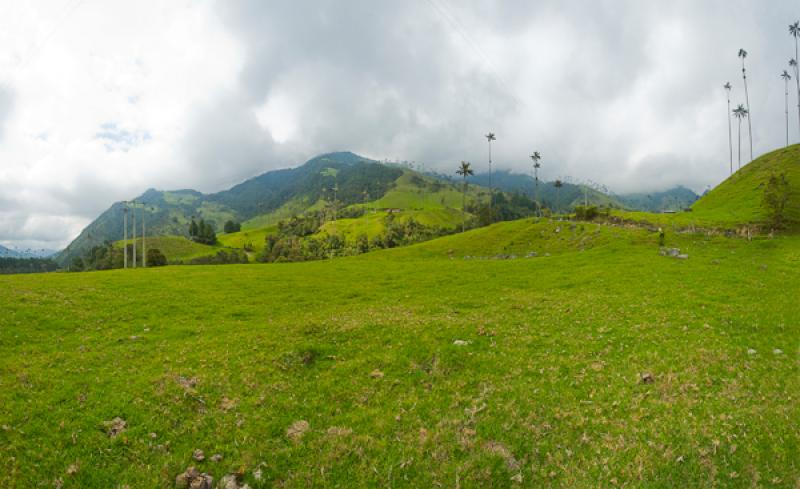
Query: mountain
[(265, 199), (676, 198), (25, 252)]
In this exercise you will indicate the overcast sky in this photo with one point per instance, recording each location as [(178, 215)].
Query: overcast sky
[(100, 100)]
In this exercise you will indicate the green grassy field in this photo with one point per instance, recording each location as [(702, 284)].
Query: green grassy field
[(436, 365)]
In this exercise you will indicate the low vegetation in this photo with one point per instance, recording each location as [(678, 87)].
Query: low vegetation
[(519, 354)]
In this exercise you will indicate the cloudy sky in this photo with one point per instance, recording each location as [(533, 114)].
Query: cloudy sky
[(100, 100)]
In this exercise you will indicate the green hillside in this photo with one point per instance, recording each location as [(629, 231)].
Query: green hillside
[(739, 198), (448, 363), (175, 248)]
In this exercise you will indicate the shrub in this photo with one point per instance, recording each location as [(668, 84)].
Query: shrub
[(155, 258), (776, 195)]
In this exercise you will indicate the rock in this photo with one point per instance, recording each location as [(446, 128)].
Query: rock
[(531, 254), (672, 252), (115, 426), (715, 262), (227, 404), (153, 436), (461, 343), (646, 378), (296, 431), (376, 374), (751, 351), (230, 481), (198, 455), (777, 351), (193, 479), (73, 469), (257, 474), (216, 457), (682, 257), (517, 478)]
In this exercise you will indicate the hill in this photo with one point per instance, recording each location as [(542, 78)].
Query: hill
[(440, 364), (25, 252), (674, 199), (739, 198), (169, 212)]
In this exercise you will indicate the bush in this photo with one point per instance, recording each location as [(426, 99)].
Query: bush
[(232, 227), (586, 213), (155, 258), (776, 195)]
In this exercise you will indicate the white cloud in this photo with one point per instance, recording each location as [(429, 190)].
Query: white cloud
[(101, 100)]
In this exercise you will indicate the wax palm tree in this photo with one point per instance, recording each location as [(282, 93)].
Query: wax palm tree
[(558, 184), (743, 55), (794, 31), (489, 138), (740, 112), (727, 87), (786, 77), (536, 165), (464, 170), (796, 69)]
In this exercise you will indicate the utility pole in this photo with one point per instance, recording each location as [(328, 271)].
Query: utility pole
[(125, 234), (134, 234)]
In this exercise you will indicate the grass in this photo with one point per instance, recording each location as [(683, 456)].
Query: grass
[(254, 237), (175, 248), (738, 200), (546, 392)]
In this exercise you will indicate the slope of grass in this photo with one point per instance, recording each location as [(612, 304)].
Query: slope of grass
[(253, 237), (175, 248), (544, 387), (737, 201), (414, 191)]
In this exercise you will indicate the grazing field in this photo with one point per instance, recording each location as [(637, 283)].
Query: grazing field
[(438, 365)]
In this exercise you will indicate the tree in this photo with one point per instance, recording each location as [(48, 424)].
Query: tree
[(155, 258), (776, 195), (786, 77), (727, 87), (77, 264), (743, 55), (794, 31), (193, 229), (464, 170), (740, 112), (558, 184), (489, 138), (232, 227), (536, 165)]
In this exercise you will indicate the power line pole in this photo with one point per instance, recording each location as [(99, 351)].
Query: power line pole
[(134, 234), (125, 235)]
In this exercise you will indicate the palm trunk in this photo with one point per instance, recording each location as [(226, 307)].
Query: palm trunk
[(749, 114), (786, 84), (464, 205), (491, 187), (797, 81), (740, 143), (730, 137)]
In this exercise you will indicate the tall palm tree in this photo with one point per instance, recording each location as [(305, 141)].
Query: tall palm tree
[(794, 31), (727, 87), (489, 138), (793, 65), (536, 165), (464, 170), (740, 112), (558, 184), (743, 55), (786, 77)]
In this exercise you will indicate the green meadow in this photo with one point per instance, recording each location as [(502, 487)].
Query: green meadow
[(464, 361)]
